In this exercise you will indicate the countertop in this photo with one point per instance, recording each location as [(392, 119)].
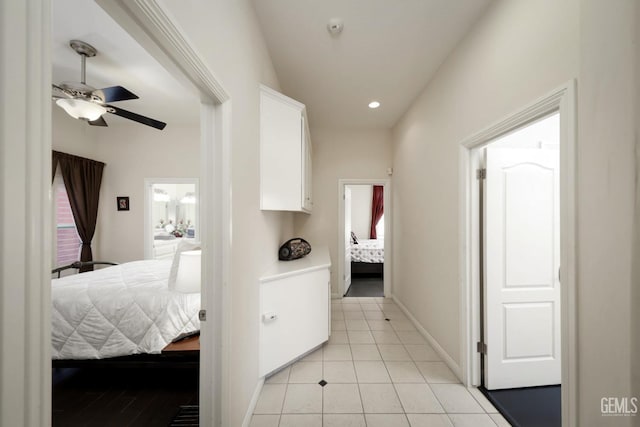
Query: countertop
[(316, 260)]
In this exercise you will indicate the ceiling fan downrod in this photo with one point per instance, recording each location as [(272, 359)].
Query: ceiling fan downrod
[(83, 49)]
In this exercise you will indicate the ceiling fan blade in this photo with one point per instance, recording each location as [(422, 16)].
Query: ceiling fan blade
[(99, 122), (115, 93), (135, 117)]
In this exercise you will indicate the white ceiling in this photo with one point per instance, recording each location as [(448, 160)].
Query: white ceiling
[(120, 61), (388, 51)]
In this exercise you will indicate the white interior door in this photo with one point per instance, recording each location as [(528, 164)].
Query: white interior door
[(522, 257), (347, 240)]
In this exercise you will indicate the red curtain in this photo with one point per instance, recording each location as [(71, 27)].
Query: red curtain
[(377, 209)]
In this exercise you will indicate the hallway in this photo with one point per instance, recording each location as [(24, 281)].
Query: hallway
[(378, 373)]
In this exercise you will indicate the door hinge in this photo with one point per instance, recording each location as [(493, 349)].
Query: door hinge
[(481, 347), (202, 315), (481, 173)]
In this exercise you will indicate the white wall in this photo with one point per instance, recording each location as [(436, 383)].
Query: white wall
[(606, 174), (518, 52), (132, 152), (361, 196), (72, 136), (340, 154), (227, 35), (635, 287)]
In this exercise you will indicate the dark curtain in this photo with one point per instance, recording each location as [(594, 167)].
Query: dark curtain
[(54, 164), (82, 178), (377, 209)]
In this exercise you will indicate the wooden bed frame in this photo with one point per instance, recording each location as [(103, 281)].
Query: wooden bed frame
[(183, 354)]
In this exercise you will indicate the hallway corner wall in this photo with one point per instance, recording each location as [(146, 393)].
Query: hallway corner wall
[(346, 154)]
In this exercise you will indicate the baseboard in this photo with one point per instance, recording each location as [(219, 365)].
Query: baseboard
[(431, 340), (253, 403)]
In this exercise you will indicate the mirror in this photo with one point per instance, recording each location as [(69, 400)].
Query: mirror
[(171, 215)]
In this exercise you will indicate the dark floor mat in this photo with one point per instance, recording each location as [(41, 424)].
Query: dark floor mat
[(528, 407), (366, 287)]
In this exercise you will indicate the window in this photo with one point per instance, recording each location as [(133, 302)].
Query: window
[(68, 243), (380, 228)]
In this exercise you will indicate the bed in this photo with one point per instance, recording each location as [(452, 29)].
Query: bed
[(123, 310), (367, 257)]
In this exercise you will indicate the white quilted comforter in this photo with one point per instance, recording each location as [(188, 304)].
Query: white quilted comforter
[(117, 311), (371, 251)]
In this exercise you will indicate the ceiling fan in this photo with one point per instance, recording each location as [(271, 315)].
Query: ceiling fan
[(84, 102)]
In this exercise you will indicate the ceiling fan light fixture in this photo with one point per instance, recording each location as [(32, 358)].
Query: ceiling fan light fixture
[(81, 109)]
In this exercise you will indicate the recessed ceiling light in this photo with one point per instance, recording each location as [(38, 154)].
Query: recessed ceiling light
[(374, 104)]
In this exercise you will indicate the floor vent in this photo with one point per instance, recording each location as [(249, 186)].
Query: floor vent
[(187, 416)]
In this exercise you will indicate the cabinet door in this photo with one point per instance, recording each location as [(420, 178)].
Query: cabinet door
[(294, 318), (280, 154), (307, 199)]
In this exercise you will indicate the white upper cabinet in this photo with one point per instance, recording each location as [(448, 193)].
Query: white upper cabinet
[(285, 154)]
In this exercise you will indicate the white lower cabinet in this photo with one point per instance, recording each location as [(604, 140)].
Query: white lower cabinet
[(294, 309)]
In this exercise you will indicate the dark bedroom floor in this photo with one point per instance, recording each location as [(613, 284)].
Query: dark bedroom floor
[(366, 287), (528, 406), (121, 397)]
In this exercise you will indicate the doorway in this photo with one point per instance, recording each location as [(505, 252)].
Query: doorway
[(149, 25), (520, 261), (364, 238), (517, 229)]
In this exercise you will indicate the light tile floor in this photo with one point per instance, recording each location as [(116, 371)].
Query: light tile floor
[(379, 370)]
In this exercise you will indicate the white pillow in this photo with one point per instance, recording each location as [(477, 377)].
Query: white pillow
[(183, 246), (189, 273)]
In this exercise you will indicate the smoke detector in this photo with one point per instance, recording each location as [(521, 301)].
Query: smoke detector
[(335, 26)]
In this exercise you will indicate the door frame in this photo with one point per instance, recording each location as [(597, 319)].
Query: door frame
[(149, 24), (388, 237), (153, 28), (562, 99)]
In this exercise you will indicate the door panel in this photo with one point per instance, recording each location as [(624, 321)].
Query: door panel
[(528, 330), (347, 240), (528, 225), (522, 247)]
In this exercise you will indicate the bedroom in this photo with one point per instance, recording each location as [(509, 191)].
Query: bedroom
[(157, 171)]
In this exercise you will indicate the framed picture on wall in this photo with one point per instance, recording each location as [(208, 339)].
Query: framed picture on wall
[(123, 203)]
